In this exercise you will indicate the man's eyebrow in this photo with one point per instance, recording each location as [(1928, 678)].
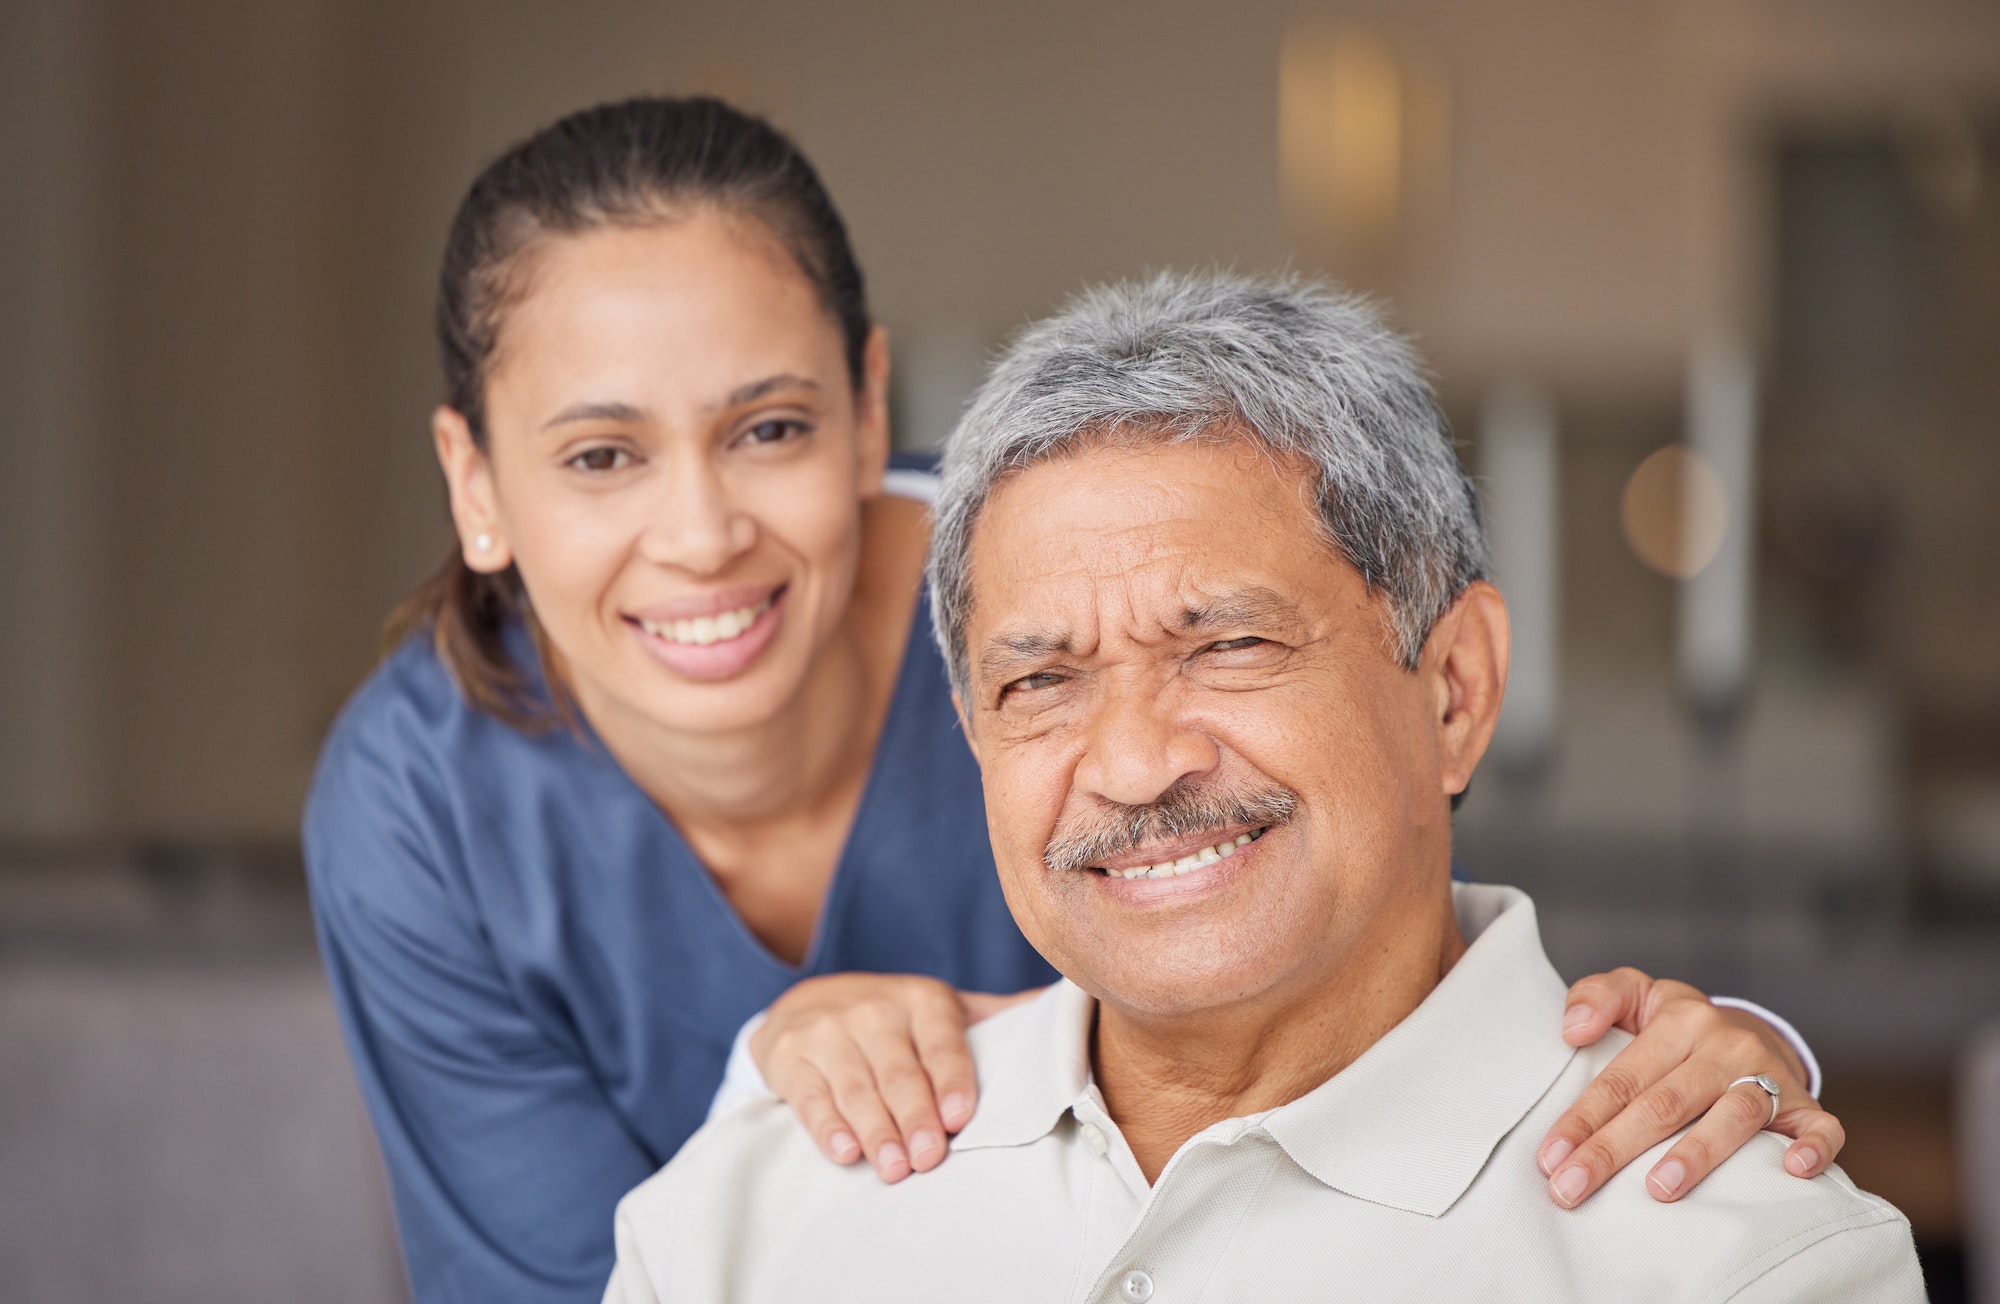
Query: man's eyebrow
[(1252, 606), (1008, 651)]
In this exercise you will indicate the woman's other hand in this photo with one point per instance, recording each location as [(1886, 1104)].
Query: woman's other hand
[(876, 1064), (1678, 1068)]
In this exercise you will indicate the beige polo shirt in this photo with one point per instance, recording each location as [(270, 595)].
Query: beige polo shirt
[(1409, 1175)]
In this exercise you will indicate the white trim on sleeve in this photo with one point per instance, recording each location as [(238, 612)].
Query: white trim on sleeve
[(1784, 1029), (905, 483), (741, 1078)]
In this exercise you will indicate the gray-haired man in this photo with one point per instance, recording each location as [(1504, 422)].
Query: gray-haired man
[(1209, 581)]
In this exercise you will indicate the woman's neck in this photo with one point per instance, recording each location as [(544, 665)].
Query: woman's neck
[(792, 763), (766, 772)]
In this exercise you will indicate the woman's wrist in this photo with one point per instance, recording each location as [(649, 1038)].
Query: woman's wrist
[(1786, 1032)]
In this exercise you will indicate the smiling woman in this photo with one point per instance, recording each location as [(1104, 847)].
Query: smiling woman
[(666, 743), (611, 474)]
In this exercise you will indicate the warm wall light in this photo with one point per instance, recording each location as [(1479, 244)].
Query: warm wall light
[(1341, 134), (1675, 512)]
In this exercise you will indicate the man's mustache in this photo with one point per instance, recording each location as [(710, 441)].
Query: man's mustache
[(1181, 810)]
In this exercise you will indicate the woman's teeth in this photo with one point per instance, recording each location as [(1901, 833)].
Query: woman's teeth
[(703, 630), (1193, 860)]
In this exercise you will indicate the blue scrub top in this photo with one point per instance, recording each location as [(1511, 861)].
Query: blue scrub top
[(539, 982)]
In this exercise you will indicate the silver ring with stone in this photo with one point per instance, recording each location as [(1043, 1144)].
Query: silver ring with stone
[(1762, 1081)]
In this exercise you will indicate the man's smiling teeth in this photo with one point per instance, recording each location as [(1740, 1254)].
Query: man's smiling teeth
[(703, 630), (1193, 860)]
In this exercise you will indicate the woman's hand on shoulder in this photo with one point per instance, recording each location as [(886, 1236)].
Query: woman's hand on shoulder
[(876, 1065), (1684, 1055)]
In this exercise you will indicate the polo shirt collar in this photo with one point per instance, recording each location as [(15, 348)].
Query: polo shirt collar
[(1042, 1052), (1409, 1124), (1412, 1121)]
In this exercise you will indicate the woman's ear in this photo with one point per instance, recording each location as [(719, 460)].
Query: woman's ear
[(871, 414), (1468, 652), (469, 477)]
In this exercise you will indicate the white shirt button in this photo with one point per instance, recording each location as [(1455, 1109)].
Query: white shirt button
[(1093, 1137), (1136, 1286)]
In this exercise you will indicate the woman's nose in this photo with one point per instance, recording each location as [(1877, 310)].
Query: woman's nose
[(694, 524), (1141, 744)]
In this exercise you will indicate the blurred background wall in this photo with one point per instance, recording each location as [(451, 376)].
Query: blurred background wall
[(1755, 738)]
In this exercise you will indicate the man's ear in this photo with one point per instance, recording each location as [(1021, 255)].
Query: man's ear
[(871, 414), (1467, 652), (469, 476)]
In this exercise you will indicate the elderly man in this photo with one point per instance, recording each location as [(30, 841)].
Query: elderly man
[(1210, 582)]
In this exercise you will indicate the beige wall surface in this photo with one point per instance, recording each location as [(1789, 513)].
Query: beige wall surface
[(213, 467)]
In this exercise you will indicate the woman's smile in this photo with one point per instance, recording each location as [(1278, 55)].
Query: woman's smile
[(714, 637)]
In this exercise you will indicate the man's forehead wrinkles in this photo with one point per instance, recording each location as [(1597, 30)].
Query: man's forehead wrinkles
[(1101, 550)]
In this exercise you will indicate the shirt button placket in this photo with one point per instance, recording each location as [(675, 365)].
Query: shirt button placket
[(1136, 1287), (1094, 1139)]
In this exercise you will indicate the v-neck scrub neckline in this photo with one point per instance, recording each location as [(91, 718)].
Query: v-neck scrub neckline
[(910, 683)]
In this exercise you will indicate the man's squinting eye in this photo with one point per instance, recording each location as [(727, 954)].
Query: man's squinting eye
[(775, 431), (1031, 683), (601, 459), (1232, 644)]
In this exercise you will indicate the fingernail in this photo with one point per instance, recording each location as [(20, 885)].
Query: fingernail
[(1667, 1178), (1577, 1016), (1554, 1153), (1569, 1184), (891, 1162), (845, 1148), (1803, 1160), (925, 1146), (956, 1108)]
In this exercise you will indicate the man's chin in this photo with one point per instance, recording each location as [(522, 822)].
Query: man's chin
[(1171, 995), (1203, 971)]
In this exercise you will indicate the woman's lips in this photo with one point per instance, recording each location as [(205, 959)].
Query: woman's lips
[(713, 603), (713, 647)]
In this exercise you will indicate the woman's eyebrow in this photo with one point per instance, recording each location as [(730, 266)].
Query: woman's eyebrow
[(626, 413), (587, 411), (757, 389)]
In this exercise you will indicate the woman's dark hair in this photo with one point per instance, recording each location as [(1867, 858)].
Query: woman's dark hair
[(627, 164)]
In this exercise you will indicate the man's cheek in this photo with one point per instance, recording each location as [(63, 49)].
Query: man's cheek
[(1023, 809)]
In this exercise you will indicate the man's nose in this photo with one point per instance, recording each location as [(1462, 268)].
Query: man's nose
[(694, 523), (1141, 744)]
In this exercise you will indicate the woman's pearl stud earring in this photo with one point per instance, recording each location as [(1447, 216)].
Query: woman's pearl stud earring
[(482, 542)]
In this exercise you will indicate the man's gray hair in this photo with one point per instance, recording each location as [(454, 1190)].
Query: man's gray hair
[(1307, 372)]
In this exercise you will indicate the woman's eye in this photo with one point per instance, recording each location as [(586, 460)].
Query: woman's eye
[(600, 460), (773, 432), (1232, 644)]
